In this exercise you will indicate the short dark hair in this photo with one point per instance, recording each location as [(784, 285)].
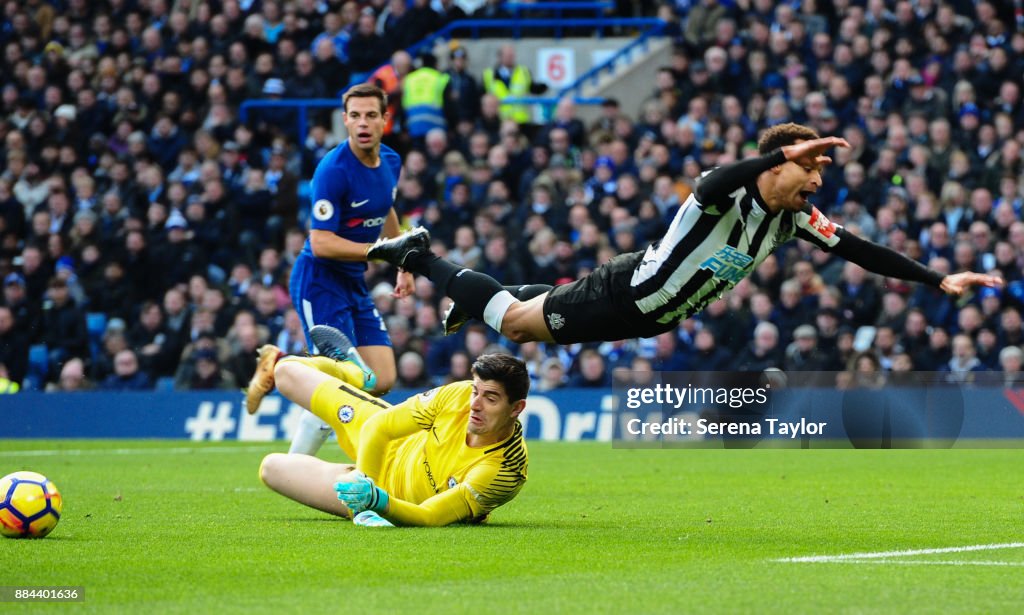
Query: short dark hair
[(506, 369), (782, 135), (365, 90)]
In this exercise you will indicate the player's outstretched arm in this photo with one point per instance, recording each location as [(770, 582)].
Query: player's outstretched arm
[(888, 262), (957, 283)]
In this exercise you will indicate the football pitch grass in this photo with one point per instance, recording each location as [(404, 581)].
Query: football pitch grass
[(179, 527)]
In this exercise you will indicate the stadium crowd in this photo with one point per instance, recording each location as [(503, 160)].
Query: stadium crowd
[(146, 234)]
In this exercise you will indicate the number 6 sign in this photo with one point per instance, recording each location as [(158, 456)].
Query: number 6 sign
[(556, 66)]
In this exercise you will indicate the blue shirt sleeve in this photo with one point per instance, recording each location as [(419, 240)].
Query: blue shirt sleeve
[(328, 189), (394, 163)]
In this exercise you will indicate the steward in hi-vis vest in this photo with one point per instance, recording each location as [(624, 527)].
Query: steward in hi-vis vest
[(423, 98), (509, 79)]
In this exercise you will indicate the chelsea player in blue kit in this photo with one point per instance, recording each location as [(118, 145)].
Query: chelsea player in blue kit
[(353, 192)]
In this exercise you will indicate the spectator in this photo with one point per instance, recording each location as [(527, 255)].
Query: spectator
[(552, 375), (26, 313), (803, 354), (411, 371), (707, 353), (423, 97), (14, 345), (63, 325), (207, 374), (762, 352), (462, 93), (7, 386), (508, 78), (964, 363), (127, 376), (72, 378), (1011, 363), (592, 371), (367, 48), (155, 349), (291, 339)]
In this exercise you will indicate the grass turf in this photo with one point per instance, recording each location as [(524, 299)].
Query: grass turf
[(171, 527)]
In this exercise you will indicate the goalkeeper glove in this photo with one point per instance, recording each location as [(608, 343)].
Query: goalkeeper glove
[(368, 518), (359, 493)]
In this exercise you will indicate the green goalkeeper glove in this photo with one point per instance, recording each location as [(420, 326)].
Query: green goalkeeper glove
[(359, 493)]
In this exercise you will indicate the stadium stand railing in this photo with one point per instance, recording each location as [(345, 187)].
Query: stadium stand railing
[(591, 77), (557, 8), (556, 27), (648, 28)]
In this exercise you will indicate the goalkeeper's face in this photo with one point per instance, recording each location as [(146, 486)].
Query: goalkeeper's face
[(490, 410)]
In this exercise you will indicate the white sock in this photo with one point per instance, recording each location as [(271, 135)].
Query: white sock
[(310, 435), (495, 310)]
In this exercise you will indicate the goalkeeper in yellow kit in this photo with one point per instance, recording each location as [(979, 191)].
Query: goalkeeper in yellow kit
[(454, 453)]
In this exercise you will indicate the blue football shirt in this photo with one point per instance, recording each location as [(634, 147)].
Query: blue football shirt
[(352, 200)]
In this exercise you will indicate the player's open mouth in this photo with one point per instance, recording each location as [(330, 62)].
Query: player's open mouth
[(805, 196), (475, 419), (363, 136)]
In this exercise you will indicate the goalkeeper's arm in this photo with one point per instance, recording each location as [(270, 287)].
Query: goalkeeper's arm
[(380, 429), (416, 413), (466, 500), (359, 494), (444, 508)]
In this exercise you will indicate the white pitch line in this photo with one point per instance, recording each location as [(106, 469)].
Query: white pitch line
[(177, 450), (922, 562), (906, 553)]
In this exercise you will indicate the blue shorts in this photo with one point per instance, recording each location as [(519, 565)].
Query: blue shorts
[(323, 297)]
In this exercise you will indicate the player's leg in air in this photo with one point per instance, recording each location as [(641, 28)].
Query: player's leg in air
[(347, 366), (321, 384), (517, 312)]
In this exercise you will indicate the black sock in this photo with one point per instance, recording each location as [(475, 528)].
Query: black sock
[(525, 292), (419, 263), (470, 290)]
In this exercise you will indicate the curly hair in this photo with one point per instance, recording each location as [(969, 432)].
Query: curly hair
[(782, 135)]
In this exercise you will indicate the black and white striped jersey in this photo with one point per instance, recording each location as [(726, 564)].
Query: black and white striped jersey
[(724, 231)]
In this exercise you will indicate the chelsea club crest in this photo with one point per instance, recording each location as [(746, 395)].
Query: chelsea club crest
[(346, 414)]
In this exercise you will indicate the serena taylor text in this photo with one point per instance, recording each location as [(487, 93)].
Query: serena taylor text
[(705, 427)]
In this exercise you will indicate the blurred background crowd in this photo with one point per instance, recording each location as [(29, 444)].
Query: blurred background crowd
[(146, 233)]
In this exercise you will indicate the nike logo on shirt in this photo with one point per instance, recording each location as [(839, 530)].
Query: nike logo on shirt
[(360, 203)]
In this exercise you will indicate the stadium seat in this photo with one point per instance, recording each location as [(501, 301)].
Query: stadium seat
[(31, 383), (165, 384), (38, 367), (96, 325)]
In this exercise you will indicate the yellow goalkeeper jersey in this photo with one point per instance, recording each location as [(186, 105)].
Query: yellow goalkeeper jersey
[(417, 451)]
